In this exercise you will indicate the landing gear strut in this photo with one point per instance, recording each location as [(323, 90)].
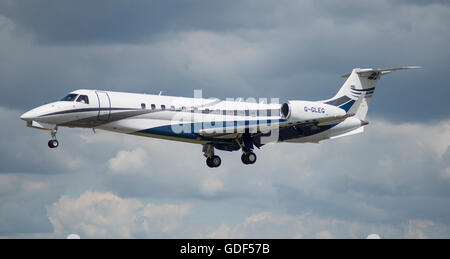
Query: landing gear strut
[(248, 157), (53, 143), (211, 159)]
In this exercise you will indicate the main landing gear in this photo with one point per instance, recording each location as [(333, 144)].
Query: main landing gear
[(246, 144), (211, 160), (53, 143), (248, 157)]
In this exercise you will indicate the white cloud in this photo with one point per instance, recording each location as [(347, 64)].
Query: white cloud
[(128, 161), (421, 138), (103, 214), (269, 225)]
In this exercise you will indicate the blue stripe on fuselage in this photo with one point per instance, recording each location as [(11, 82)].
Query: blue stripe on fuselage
[(285, 133)]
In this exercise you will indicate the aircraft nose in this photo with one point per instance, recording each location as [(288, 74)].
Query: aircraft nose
[(28, 116), (36, 113)]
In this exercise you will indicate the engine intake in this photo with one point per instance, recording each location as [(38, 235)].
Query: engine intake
[(285, 110)]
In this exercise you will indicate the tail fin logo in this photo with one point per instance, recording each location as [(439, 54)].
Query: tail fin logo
[(357, 92)]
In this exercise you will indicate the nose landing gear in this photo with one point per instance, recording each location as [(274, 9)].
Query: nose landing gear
[(53, 143)]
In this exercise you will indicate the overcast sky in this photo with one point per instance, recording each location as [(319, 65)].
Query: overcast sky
[(393, 180)]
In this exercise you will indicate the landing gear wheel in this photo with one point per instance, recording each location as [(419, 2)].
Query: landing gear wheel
[(244, 159), (213, 161), (53, 143), (248, 158)]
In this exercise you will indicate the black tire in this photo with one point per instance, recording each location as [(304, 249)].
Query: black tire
[(244, 159), (216, 161), (53, 143), (209, 163), (248, 158)]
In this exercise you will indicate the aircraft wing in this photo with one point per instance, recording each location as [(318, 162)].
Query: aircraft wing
[(233, 132)]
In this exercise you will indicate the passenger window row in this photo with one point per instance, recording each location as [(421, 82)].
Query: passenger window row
[(247, 113)]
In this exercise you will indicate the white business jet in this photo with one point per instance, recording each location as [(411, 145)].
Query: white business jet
[(215, 124)]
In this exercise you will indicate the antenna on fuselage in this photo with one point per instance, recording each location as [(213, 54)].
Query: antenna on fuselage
[(160, 93)]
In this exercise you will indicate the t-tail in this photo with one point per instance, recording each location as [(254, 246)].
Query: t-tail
[(357, 91)]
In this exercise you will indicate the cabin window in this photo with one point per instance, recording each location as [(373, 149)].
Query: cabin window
[(153, 106), (143, 106), (69, 98), (183, 108), (163, 107), (83, 99)]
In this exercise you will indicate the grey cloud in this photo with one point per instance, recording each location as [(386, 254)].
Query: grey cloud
[(23, 201), (68, 22), (424, 2)]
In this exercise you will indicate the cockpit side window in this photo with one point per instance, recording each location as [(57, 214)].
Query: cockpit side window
[(83, 99), (69, 98)]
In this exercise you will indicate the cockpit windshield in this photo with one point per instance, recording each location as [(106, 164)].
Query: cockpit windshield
[(69, 98)]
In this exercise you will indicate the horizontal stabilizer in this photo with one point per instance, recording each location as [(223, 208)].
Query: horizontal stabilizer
[(384, 71)]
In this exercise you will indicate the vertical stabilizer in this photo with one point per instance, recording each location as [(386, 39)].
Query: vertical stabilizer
[(360, 83)]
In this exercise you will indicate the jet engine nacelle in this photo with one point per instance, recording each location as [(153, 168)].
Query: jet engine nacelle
[(304, 110)]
